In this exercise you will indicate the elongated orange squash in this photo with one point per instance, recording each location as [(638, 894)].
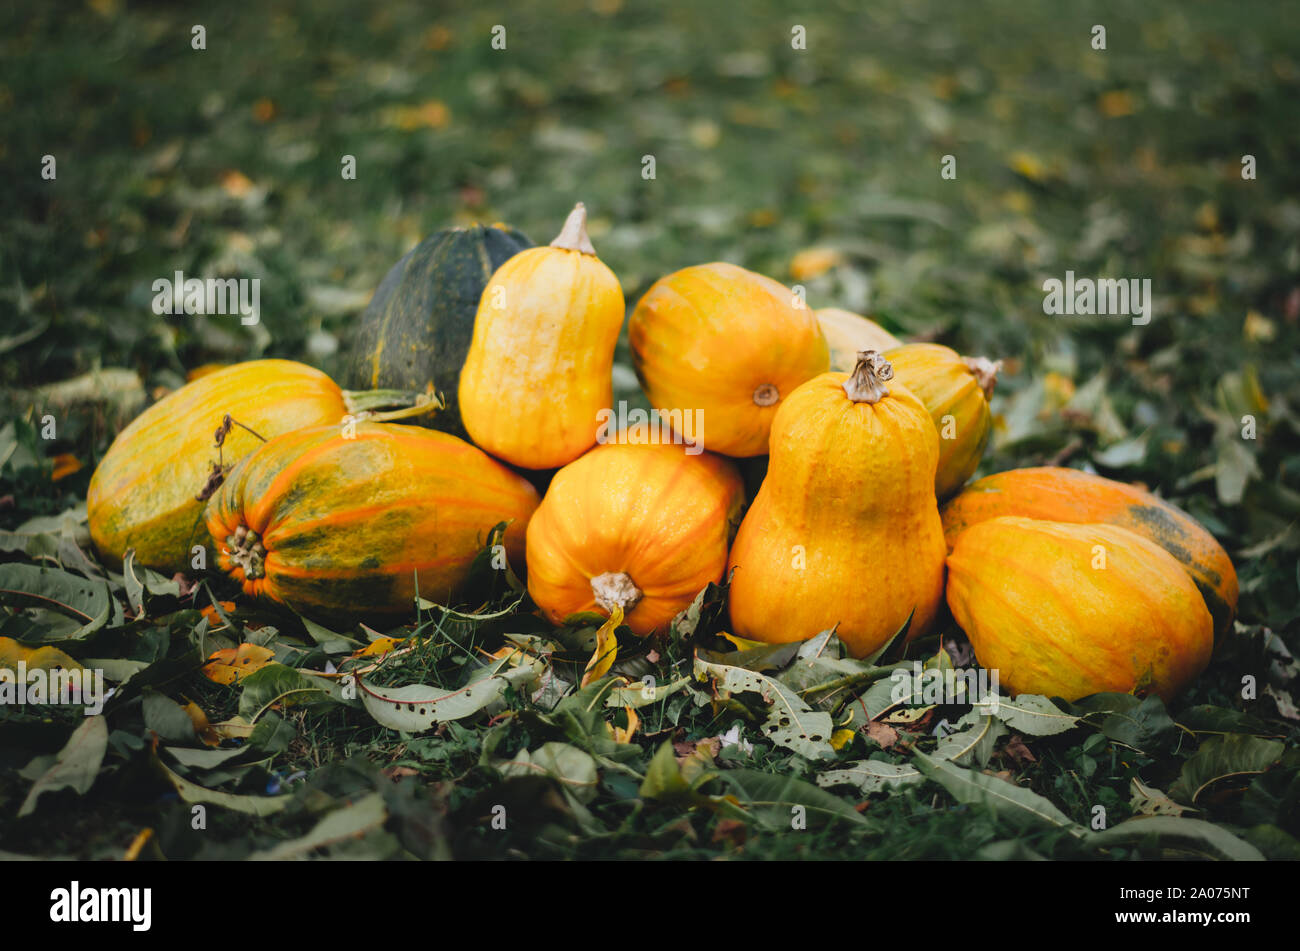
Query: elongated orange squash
[(956, 390), (847, 334), (643, 527), (727, 343), (142, 494), (540, 363), (1071, 610), (1068, 495), (845, 529), (340, 521)]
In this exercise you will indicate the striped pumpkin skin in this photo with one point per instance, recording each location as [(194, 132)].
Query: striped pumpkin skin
[(1039, 608), (418, 325), (956, 394), (651, 512), (847, 334), (347, 522), (729, 343), (1068, 495), (142, 494)]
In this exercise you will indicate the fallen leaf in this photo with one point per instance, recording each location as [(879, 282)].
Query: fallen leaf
[(229, 665), (202, 728), (606, 652), (1017, 750), (65, 464), (882, 733)]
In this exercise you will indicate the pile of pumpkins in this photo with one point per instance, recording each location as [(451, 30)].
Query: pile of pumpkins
[(1065, 582)]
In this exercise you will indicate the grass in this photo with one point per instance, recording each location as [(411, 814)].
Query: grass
[(1119, 163)]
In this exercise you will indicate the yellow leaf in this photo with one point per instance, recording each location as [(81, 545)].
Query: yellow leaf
[(138, 843), (236, 184), (35, 658), (1258, 328), (841, 738), (743, 643), (380, 646), (202, 728), (1028, 165), (229, 665), (1117, 102), (814, 262), (236, 728), (65, 464), (429, 115), (625, 735), (606, 652)]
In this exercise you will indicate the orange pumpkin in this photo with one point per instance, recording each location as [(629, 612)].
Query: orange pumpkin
[(341, 521), (644, 527), (728, 343), (1071, 610), (956, 390), (847, 334), (1068, 495), (845, 529)]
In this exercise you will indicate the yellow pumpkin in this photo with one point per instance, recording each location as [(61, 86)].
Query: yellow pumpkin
[(845, 530), (1068, 495), (1071, 610), (728, 343), (539, 365), (956, 390), (643, 527), (848, 334)]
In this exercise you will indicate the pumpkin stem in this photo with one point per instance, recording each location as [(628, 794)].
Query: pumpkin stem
[(247, 551), (361, 401), (615, 589), (573, 236), (985, 372), (424, 403), (866, 384), (766, 395)]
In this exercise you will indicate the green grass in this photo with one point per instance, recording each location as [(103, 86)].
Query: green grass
[(1122, 163)]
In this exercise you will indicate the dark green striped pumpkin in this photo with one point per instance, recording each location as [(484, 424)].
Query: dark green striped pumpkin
[(418, 326)]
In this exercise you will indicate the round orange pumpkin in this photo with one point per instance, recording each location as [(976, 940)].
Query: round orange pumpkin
[(643, 527), (728, 343), (1071, 610)]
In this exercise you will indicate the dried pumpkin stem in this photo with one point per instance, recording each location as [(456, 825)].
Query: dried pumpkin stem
[(615, 589), (766, 394), (985, 372), (247, 551), (573, 236), (866, 384)]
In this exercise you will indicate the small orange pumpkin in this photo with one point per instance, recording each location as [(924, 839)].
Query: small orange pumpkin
[(643, 527), (729, 343)]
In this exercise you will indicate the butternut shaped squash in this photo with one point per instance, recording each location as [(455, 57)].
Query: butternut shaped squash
[(845, 529), (956, 390), (728, 343), (339, 521), (1071, 610), (1068, 495), (539, 365), (847, 334), (644, 527)]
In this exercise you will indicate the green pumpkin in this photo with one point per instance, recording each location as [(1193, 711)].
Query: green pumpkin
[(418, 326)]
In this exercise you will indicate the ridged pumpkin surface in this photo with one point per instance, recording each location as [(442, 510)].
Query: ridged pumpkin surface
[(645, 527), (419, 323), (540, 363), (845, 528), (848, 333), (729, 343), (1039, 609), (1068, 495), (142, 494), (956, 391), (345, 524)]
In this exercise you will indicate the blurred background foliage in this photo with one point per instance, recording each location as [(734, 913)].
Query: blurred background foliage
[(818, 166)]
